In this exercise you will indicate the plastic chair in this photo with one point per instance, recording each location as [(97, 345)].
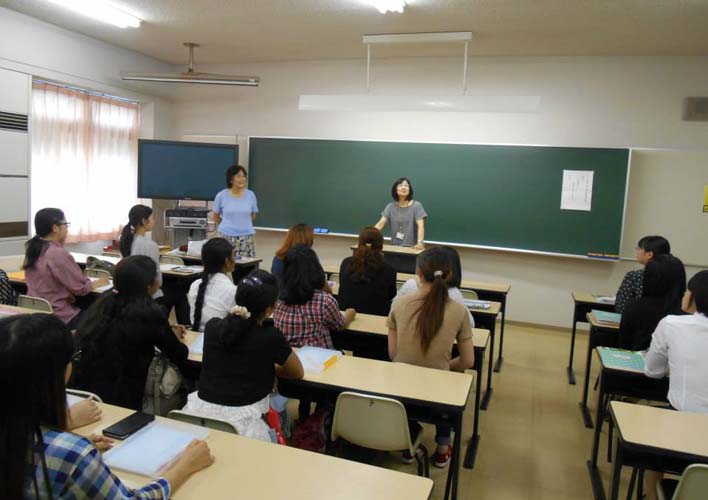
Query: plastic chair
[(97, 273), (692, 485), (209, 423), (171, 259), (84, 394), (377, 423), (34, 303), (469, 294)]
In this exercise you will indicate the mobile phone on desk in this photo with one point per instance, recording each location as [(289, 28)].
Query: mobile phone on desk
[(129, 425)]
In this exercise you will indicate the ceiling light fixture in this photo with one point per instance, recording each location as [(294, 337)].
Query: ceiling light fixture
[(101, 10), (390, 5), (191, 76)]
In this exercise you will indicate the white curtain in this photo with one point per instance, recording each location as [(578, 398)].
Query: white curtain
[(84, 159)]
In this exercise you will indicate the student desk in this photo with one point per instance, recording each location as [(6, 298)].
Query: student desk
[(617, 381), (657, 439), (583, 303), (81, 259), (600, 335), (7, 310), (402, 259), (248, 468), (19, 283), (429, 395)]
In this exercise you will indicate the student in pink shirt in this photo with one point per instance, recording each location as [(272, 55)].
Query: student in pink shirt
[(50, 271)]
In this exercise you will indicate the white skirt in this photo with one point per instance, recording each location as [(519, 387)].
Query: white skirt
[(247, 420)]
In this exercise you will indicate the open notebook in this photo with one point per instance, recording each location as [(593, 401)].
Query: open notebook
[(197, 345), (150, 450)]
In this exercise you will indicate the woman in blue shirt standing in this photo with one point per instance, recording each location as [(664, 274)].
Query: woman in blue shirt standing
[(235, 209)]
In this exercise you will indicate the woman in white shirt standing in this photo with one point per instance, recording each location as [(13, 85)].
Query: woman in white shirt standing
[(214, 294)]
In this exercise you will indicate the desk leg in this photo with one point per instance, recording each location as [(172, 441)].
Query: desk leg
[(616, 472), (488, 391), (571, 373), (584, 403), (500, 356), (473, 445), (595, 479), (453, 474)]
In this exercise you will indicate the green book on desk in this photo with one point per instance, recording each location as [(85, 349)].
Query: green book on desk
[(607, 318), (620, 359)]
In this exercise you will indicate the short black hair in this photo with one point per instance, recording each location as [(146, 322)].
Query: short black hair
[(698, 286), (658, 245), (234, 170), (398, 181)]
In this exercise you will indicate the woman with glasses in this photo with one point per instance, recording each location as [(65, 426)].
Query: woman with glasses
[(51, 272)]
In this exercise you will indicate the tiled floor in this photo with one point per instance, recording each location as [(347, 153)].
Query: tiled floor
[(534, 444)]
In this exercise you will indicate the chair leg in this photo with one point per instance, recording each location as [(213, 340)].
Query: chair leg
[(597, 382), (640, 486), (610, 430), (630, 490), (419, 461)]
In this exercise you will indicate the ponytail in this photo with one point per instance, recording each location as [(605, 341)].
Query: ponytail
[(368, 256), (434, 266), (136, 216), (215, 253), (34, 248), (44, 222), (199, 303), (237, 324)]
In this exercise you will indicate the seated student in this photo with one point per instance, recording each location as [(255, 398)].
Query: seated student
[(134, 242), (7, 294), (213, 295), (299, 234), (305, 312), (366, 282), (663, 285), (51, 272), (631, 288), (453, 285), (40, 459), (422, 328), (119, 333), (243, 353)]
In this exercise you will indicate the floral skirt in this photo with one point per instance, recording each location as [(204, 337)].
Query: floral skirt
[(245, 246), (248, 420)]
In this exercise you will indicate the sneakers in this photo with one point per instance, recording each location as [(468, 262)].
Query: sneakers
[(440, 460), (407, 458)]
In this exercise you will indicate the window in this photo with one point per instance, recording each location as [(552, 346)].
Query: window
[(84, 158)]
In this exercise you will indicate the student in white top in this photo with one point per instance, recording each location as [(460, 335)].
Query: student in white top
[(214, 294), (680, 345), (453, 291)]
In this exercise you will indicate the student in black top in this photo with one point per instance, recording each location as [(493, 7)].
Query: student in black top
[(366, 282), (118, 335), (664, 284), (243, 353), (630, 289)]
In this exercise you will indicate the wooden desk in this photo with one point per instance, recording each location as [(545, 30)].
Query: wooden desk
[(657, 439), (615, 381), (430, 395), (583, 303), (7, 310), (246, 468), (403, 259), (19, 283), (81, 259), (600, 335)]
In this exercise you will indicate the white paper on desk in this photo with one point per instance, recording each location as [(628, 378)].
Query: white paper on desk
[(317, 359), (577, 190), (168, 267), (72, 399), (197, 346), (103, 288), (149, 450)]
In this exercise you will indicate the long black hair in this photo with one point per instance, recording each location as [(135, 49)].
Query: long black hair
[(120, 316), (256, 293), (302, 275), (44, 222), (215, 253), (136, 216), (665, 278), (34, 352)]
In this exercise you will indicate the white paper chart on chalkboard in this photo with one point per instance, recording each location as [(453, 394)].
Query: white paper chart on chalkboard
[(577, 190)]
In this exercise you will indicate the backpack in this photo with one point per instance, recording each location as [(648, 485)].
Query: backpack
[(314, 433), (162, 386), (103, 265)]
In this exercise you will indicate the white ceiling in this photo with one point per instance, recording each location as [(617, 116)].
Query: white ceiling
[(233, 31)]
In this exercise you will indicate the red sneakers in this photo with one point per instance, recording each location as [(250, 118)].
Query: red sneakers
[(407, 458), (441, 460)]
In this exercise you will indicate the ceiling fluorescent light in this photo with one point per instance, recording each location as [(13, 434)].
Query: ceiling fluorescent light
[(390, 5), (446, 36), (101, 10), (460, 103)]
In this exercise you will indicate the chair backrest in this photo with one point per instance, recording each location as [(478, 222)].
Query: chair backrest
[(84, 394), (372, 422), (469, 294), (210, 423), (35, 303), (97, 273), (693, 483), (171, 259)]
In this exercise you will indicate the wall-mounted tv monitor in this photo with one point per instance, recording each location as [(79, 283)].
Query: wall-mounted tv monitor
[(183, 170)]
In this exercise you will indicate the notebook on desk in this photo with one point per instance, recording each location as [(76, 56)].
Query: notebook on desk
[(621, 359), (604, 299), (607, 318), (477, 304), (317, 359)]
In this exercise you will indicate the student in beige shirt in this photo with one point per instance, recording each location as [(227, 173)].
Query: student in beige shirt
[(422, 328)]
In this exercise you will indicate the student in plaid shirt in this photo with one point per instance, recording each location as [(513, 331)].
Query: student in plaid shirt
[(305, 312), (41, 460)]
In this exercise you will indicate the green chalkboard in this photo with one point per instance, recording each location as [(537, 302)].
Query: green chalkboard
[(486, 195)]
